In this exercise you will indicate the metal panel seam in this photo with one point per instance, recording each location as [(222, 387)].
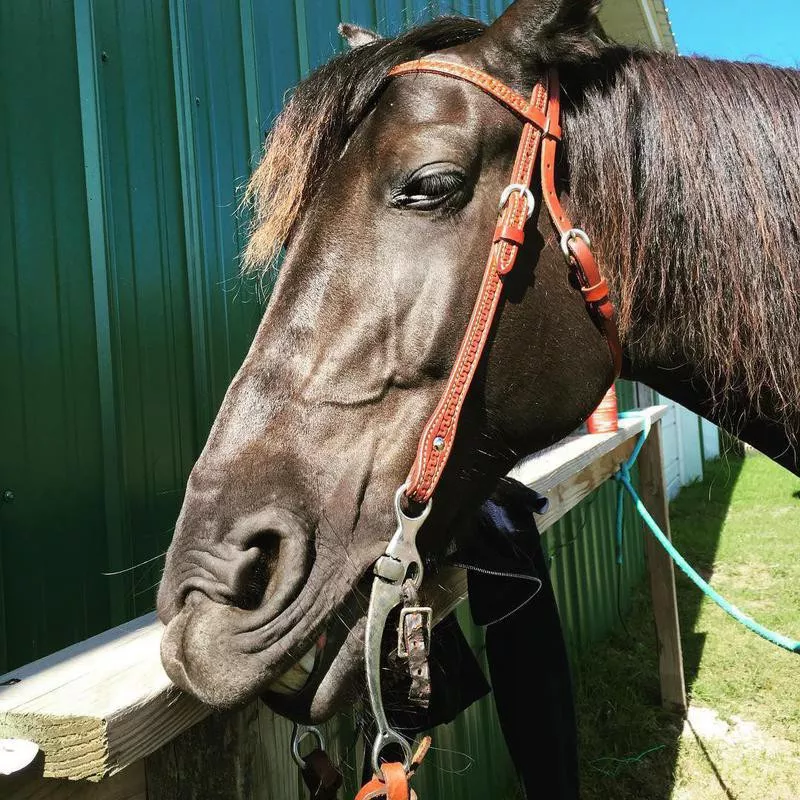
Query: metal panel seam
[(302, 37), (86, 50), (250, 68), (179, 38)]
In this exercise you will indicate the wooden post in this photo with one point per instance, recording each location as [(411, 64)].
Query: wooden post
[(240, 755), (28, 785), (662, 576)]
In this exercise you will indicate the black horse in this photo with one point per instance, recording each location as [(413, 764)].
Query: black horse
[(384, 194)]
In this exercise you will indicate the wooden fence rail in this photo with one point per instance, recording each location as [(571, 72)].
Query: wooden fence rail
[(110, 726)]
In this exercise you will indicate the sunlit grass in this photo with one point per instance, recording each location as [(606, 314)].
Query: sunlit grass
[(741, 528)]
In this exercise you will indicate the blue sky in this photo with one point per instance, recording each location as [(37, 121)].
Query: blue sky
[(744, 30)]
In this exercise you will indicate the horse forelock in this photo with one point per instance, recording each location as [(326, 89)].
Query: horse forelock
[(314, 127), (687, 171)]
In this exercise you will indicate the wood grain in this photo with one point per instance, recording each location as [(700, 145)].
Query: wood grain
[(98, 706), (126, 785), (662, 577)]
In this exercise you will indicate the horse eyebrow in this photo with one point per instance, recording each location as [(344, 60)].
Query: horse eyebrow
[(314, 127)]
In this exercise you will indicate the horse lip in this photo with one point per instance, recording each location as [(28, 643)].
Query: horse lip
[(212, 652), (200, 655), (337, 675)]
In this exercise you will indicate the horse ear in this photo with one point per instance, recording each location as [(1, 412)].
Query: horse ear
[(535, 32), (356, 36)]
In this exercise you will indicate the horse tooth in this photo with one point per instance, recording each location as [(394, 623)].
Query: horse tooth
[(307, 661), (296, 677)]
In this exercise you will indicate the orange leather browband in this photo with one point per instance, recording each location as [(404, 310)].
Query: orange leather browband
[(542, 126)]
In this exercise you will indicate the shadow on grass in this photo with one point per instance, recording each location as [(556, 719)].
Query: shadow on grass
[(629, 744)]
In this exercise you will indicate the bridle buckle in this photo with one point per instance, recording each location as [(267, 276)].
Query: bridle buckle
[(426, 612), (568, 236), (524, 191)]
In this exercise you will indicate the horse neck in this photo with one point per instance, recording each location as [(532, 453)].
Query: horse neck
[(694, 210)]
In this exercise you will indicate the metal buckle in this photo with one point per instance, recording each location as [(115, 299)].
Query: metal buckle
[(568, 236), (524, 191), (299, 733), (427, 616)]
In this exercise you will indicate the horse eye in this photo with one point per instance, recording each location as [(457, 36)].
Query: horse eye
[(429, 187)]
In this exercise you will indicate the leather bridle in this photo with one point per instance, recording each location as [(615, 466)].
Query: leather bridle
[(398, 571), (542, 131)]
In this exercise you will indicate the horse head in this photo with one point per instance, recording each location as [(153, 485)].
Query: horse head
[(384, 195)]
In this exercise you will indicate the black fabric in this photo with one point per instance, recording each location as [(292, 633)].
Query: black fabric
[(526, 651), (524, 645), (457, 681)]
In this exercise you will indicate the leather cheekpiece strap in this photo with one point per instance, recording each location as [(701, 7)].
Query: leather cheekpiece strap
[(593, 286), (542, 126), (391, 784), (438, 435)]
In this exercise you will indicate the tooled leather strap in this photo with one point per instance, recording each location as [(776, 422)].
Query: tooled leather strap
[(438, 435), (542, 117), (393, 782)]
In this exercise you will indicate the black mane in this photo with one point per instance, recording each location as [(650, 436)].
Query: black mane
[(313, 129), (686, 173)]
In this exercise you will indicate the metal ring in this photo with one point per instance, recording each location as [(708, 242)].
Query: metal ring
[(568, 236), (382, 741), (398, 496), (300, 733), (523, 190)]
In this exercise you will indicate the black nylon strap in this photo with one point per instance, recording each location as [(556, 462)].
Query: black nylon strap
[(527, 656)]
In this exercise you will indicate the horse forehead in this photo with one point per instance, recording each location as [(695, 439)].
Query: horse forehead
[(432, 113), (423, 98)]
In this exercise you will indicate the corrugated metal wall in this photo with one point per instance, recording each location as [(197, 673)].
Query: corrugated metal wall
[(127, 132)]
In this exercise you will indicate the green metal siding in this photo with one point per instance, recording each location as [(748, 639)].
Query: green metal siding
[(128, 131), (148, 301), (52, 536), (584, 568)]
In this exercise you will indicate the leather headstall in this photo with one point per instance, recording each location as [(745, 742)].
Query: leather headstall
[(541, 132)]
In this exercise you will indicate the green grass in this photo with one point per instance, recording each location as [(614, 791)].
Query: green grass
[(740, 528)]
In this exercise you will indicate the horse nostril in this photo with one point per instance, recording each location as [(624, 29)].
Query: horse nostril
[(256, 571)]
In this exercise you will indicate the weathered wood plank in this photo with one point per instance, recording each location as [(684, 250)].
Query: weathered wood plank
[(216, 759), (97, 706), (662, 577), (558, 463), (237, 755), (564, 496), (126, 785), (103, 704)]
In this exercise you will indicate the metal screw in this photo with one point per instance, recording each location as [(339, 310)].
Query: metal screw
[(438, 444), (8, 496), (104, 56)]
